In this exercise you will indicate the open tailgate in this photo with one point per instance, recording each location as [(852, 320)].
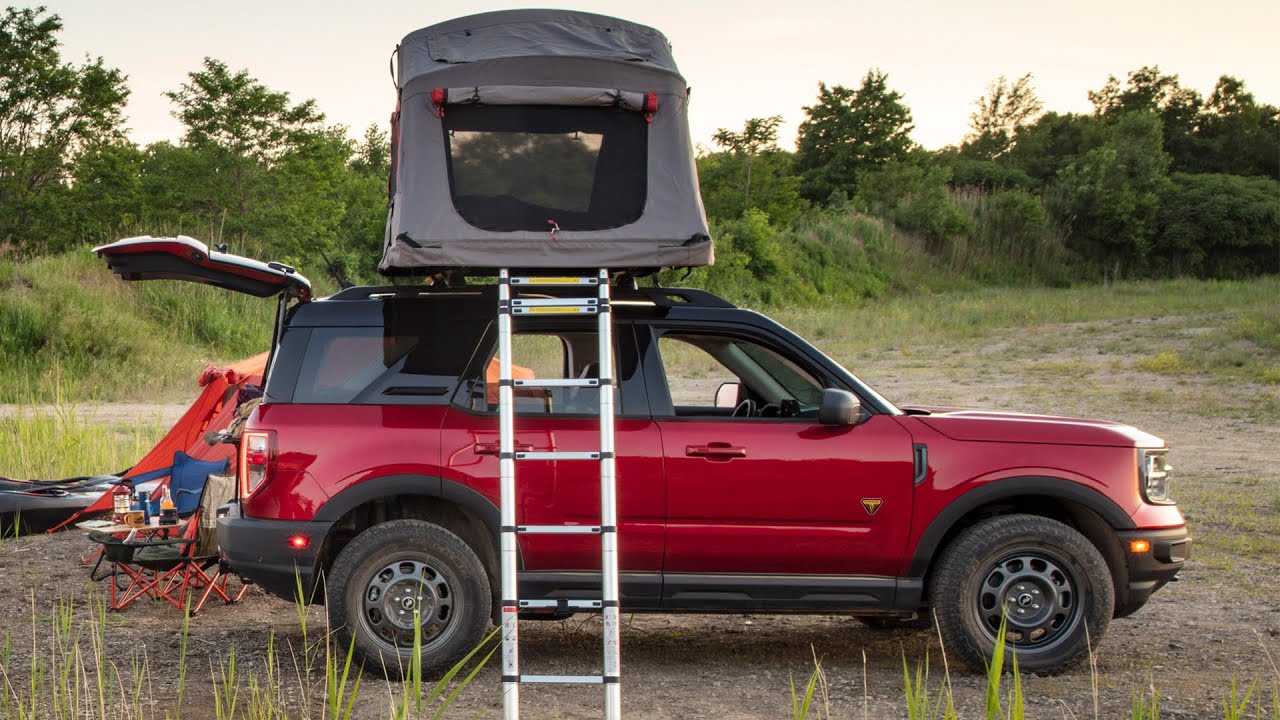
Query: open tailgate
[(184, 258)]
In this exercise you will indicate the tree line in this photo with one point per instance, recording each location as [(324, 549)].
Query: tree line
[(1157, 180)]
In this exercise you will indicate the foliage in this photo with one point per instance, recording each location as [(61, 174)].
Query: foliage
[(1005, 108), (1219, 226), (1113, 193), (50, 112), (915, 198), (750, 172), (848, 132)]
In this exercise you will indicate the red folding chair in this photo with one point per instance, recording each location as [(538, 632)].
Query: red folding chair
[(176, 569)]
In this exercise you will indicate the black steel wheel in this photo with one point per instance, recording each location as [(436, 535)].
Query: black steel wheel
[(403, 571), (1043, 579)]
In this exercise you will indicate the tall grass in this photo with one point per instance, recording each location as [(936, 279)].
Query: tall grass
[(50, 443), (69, 327), (71, 674)]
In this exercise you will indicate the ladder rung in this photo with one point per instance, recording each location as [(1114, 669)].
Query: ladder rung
[(555, 306), (568, 679), (557, 455), (559, 529), (574, 604), (558, 383), (555, 281)]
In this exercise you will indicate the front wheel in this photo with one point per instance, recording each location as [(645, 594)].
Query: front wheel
[(399, 570), (1045, 580)]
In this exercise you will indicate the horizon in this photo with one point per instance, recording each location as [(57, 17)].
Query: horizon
[(717, 46)]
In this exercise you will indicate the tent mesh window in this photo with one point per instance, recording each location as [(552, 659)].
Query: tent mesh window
[(517, 168)]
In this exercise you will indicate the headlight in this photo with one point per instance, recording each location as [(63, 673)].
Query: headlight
[(1153, 476)]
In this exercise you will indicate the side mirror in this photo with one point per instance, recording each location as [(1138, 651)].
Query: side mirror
[(727, 395), (839, 407)]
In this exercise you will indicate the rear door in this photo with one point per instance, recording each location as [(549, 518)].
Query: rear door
[(184, 258), (565, 492)]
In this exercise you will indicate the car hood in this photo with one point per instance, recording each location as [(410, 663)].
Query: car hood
[(989, 426)]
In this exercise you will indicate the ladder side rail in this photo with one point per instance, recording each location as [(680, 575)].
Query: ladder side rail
[(507, 503), (608, 510)]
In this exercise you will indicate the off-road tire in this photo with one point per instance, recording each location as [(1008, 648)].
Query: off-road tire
[(410, 561), (1031, 565)]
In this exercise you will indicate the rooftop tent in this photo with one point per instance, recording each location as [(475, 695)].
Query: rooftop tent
[(541, 139)]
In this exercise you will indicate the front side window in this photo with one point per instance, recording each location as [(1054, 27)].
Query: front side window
[(728, 377), (524, 167)]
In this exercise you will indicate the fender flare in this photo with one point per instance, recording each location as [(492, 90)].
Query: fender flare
[(1038, 485), (424, 485)]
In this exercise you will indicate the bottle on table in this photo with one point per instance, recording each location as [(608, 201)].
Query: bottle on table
[(168, 511)]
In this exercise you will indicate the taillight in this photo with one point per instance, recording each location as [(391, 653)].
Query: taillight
[(256, 453)]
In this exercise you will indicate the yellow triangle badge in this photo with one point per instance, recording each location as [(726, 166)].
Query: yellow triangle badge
[(871, 505)]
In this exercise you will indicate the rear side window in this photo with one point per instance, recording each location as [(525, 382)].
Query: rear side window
[(522, 167), (414, 358)]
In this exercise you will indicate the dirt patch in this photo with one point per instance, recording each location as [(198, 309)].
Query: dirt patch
[(1220, 622)]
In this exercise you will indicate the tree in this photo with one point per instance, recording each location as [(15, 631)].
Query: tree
[(1113, 193), (1042, 148), (1219, 226), (1005, 108), (758, 135), (1238, 135), (50, 112), (848, 131), (240, 131), (750, 173), (1147, 90)]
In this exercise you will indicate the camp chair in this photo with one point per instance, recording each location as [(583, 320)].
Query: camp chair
[(186, 481), (173, 569)]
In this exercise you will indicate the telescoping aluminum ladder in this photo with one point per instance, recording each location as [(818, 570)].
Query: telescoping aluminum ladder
[(509, 306)]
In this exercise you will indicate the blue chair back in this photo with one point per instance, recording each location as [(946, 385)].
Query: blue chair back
[(187, 479)]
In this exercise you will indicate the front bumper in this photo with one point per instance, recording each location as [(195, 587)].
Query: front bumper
[(1149, 571), (260, 551)]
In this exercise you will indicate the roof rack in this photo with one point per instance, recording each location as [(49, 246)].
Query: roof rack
[(366, 292), (669, 297), (659, 296)]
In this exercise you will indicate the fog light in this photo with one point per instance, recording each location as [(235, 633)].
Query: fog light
[(1136, 547), (299, 542)]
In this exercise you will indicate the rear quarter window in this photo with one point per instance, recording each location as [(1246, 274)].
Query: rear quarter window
[(413, 358)]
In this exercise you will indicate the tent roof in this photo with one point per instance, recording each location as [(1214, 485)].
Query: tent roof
[(510, 34)]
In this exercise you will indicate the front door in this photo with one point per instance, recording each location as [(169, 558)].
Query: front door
[(764, 502)]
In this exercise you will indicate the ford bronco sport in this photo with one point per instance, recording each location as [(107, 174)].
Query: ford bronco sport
[(755, 474)]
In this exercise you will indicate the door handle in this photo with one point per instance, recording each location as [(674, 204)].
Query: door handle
[(716, 451), (496, 448)]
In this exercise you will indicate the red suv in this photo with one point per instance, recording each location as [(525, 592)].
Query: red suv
[(755, 474)]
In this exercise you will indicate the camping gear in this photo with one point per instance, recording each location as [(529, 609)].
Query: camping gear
[(29, 506), (541, 139), (148, 564), (214, 409)]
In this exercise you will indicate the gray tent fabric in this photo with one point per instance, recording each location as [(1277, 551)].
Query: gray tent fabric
[(470, 84)]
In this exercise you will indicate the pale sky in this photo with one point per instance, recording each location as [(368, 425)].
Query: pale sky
[(743, 58)]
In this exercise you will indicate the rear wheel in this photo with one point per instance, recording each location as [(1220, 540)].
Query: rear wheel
[(1047, 582), (399, 570)]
